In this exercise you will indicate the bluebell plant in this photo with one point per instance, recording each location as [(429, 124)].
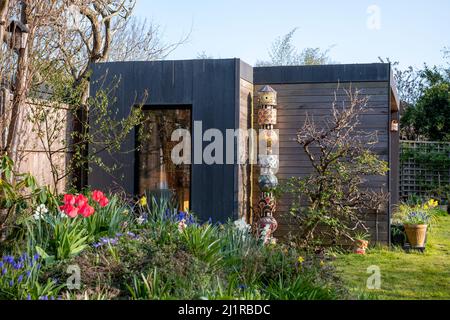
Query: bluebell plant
[(19, 278)]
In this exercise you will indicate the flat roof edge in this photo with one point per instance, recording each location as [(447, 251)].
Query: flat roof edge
[(374, 72)]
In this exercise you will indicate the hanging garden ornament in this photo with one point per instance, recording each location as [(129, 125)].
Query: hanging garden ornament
[(267, 205), (267, 182), (268, 163), (267, 116)]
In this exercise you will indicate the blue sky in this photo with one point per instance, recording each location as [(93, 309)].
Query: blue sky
[(411, 32)]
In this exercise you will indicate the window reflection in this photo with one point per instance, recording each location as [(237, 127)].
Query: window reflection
[(156, 171)]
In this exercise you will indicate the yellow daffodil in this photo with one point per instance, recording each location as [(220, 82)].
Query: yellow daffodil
[(322, 263), (300, 260), (426, 207), (433, 203), (143, 201)]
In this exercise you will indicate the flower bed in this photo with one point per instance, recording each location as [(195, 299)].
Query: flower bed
[(147, 249)]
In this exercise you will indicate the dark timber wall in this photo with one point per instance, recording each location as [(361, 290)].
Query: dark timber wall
[(221, 95), (211, 88), (311, 90)]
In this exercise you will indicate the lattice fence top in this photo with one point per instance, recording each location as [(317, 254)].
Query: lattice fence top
[(424, 169)]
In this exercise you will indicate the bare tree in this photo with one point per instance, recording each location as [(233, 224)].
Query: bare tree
[(102, 30), (65, 38), (330, 201), (141, 40), (18, 60), (284, 53), (4, 6)]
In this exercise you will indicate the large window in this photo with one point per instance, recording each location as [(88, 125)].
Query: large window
[(156, 170)]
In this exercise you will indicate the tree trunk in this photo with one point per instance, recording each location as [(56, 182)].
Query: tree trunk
[(4, 4), (20, 93)]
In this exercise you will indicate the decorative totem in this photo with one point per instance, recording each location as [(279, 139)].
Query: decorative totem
[(268, 162)]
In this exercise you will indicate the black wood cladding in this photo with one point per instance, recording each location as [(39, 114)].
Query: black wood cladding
[(212, 89)]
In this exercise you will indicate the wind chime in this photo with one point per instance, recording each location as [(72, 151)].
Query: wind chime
[(268, 162)]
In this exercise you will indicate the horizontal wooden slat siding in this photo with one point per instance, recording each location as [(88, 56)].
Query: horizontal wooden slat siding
[(317, 106), (295, 103), (318, 110)]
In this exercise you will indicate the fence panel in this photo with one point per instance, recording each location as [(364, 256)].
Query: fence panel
[(424, 169)]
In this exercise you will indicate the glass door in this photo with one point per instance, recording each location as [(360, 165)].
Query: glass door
[(156, 170)]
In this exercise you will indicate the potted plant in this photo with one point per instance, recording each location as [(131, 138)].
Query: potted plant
[(416, 224), (361, 242)]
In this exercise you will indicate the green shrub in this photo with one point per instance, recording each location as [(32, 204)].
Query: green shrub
[(57, 237), (204, 243), (150, 287), (109, 220), (298, 288)]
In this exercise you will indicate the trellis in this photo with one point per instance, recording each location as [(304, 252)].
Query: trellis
[(424, 169)]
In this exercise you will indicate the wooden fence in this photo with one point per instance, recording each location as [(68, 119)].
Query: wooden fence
[(424, 169), (43, 131)]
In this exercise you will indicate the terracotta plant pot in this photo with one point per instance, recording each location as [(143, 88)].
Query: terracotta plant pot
[(361, 246), (416, 234)]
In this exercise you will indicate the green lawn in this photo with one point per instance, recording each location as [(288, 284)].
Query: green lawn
[(403, 275)]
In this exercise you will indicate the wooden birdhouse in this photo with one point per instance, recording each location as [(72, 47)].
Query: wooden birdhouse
[(18, 35), (267, 96)]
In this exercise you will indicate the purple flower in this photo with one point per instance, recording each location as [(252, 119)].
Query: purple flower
[(11, 283), (131, 234), (8, 259), (182, 215), (18, 265), (28, 297), (19, 279), (4, 270), (188, 218)]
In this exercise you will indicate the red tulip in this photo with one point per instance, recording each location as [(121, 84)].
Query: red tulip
[(97, 195), (69, 199), (81, 200), (70, 210), (86, 211), (103, 202)]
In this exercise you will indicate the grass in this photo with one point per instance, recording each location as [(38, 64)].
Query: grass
[(404, 276)]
